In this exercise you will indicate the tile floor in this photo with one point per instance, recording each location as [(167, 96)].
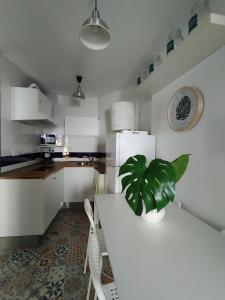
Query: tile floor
[(54, 270)]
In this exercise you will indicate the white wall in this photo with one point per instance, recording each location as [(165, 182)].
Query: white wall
[(64, 106), (202, 189), (144, 115), (93, 107), (13, 141), (105, 103), (217, 6), (144, 106)]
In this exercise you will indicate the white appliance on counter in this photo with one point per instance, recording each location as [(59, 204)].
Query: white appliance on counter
[(119, 147)]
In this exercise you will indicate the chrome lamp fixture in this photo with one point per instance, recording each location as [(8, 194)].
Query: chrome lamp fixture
[(78, 94), (94, 32)]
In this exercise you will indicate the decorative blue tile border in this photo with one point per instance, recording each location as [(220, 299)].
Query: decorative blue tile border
[(17, 159), (79, 154), (12, 160)]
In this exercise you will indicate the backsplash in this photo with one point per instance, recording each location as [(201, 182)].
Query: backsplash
[(79, 154), (17, 159)]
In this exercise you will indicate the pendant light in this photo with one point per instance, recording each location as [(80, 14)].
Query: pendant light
[(78, 94), (94, 32)]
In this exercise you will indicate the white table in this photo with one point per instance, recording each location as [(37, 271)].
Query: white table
[(180, 258)]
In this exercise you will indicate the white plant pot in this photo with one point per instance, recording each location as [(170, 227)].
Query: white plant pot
[(153, 216)]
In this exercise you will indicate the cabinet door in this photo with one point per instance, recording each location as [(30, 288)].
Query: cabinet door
[(49, 196), (44, 105), (78, 184), (21, 207), (53, 194), (29, 104), (24, 103), (59, 189)]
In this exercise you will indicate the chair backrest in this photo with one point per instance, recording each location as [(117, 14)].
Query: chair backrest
[(89, 212), (94, 265)]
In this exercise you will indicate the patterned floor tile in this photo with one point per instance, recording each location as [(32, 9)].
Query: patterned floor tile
[(52, 290), (55, 269)]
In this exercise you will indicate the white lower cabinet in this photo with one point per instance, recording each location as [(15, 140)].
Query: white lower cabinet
[(21, 207), (78, 184), (28, 206), (53, 196)]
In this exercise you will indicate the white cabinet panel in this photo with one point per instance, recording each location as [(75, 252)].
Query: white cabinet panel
[(51, 205), (21, 207), (78, 184), (53, 195), (99, 183), (81, 126), (44, 105)]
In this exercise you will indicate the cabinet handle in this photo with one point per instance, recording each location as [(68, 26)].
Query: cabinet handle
[(53, 178)]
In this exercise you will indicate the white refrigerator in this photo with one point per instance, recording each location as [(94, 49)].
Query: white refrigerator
[(119, 147)]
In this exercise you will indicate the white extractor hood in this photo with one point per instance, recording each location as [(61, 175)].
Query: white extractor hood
[(30, 106)]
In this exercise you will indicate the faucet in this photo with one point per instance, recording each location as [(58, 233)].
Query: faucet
[(91, 159)]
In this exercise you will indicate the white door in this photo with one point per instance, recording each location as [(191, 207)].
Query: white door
[(78, 184), (133, 143)]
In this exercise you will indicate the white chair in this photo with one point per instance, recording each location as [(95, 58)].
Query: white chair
[(97, 231), (102, 291)]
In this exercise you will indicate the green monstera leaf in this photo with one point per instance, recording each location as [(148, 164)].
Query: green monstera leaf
[(160, 182), (180, 165), (134, 168), (153, 185)]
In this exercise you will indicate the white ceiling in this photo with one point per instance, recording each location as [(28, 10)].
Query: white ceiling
[(42, 38)]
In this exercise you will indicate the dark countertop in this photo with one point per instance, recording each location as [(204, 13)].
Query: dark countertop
[(43, 170)]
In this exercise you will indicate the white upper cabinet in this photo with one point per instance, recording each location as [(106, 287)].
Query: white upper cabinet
[(81, 126), (30, 106)]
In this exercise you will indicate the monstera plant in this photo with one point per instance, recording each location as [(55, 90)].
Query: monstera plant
[(152, 186)]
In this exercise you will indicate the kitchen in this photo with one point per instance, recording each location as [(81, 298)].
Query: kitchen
[(43, 185)]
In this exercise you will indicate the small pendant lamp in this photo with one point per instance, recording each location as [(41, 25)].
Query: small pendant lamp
[(78, 94), (94, 32)]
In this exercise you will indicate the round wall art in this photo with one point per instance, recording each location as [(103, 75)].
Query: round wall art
[(185, 108)]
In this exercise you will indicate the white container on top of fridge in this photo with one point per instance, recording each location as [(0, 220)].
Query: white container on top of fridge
[(123, 116), (119, 147)]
